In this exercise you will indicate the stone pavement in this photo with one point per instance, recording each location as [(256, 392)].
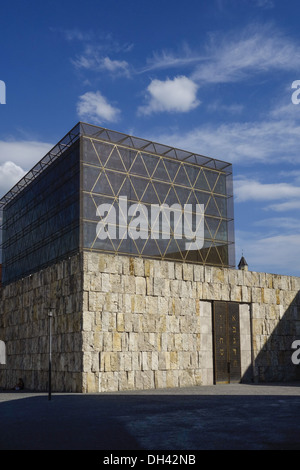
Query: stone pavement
[(254, 417)]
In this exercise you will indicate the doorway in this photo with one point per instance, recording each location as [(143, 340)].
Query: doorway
[(226, 338)]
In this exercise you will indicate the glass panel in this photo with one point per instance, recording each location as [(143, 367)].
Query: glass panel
[(211, 177), (41, 224), (181, 177), (138, 166), (160, 172)]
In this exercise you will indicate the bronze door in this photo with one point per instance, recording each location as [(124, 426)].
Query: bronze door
[(227, 355)]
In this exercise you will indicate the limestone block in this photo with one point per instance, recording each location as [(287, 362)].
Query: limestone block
[(171, 270), (106, 284), (148, 268), (136, 360), (198, 273), (205, 325), (199, 289), (149, 286), (188, 272), (160, 378), (95, 301), (172, 378), (246, 294), (87, 321), (140, 285), (149, 342), (236, 294), (154, 360), (114, 284), (138, 304), (98, 340), (125, 361), (139, 267), (178, 341), (92, 282), (133, 342), (130, 379), (186, 378), (205, 342), (178, 271), (151, 305), (205, 309), (147, 379), (120, 322), (205, 359), (163, 306), (158, 286), (116, 341), (210, 291), (128, 284)]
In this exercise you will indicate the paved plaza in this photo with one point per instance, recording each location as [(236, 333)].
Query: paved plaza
[(254, 417)]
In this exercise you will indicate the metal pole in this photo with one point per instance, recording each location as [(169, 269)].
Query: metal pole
[(50, 315)]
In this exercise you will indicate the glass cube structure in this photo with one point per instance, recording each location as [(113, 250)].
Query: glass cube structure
[(104, 191)]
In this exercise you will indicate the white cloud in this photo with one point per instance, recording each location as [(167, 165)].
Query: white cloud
[(265, 3), (93, 106), (257, 49), (99, 63), (116, 66), (279, 223), (177, 95), (17, 158), (23, 153), (10, 174), (270, 141), (287, 206), (185, 57), (234, 56), (251, 190), (217, 106), (274, 254), (286, 196)]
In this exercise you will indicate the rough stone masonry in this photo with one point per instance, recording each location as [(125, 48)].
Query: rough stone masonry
[(123, 323)]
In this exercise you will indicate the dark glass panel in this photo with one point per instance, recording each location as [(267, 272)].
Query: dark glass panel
[(102, 151), (201, 182), (211, 208), (162, 190), (181, 177), (220, 186), (115, 161), (150, 195), (151, 162), (138, 166), (160, 172), (222, 205), (211, 177), (139, 185)]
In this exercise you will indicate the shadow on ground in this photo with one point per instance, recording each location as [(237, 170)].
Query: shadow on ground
[(201, 418)]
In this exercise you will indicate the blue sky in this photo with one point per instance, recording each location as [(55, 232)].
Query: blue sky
[(214, 77)]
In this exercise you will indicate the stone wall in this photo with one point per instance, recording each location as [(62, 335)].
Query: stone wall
[(148, 323), (124, 323), (24, 326)]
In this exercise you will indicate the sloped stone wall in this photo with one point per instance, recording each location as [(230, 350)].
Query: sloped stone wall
[(24, 326)]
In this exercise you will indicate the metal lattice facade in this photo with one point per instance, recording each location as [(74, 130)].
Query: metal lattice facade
[(54, 210)]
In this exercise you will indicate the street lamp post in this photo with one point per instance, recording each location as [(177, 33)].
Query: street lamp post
[(50, 315)]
